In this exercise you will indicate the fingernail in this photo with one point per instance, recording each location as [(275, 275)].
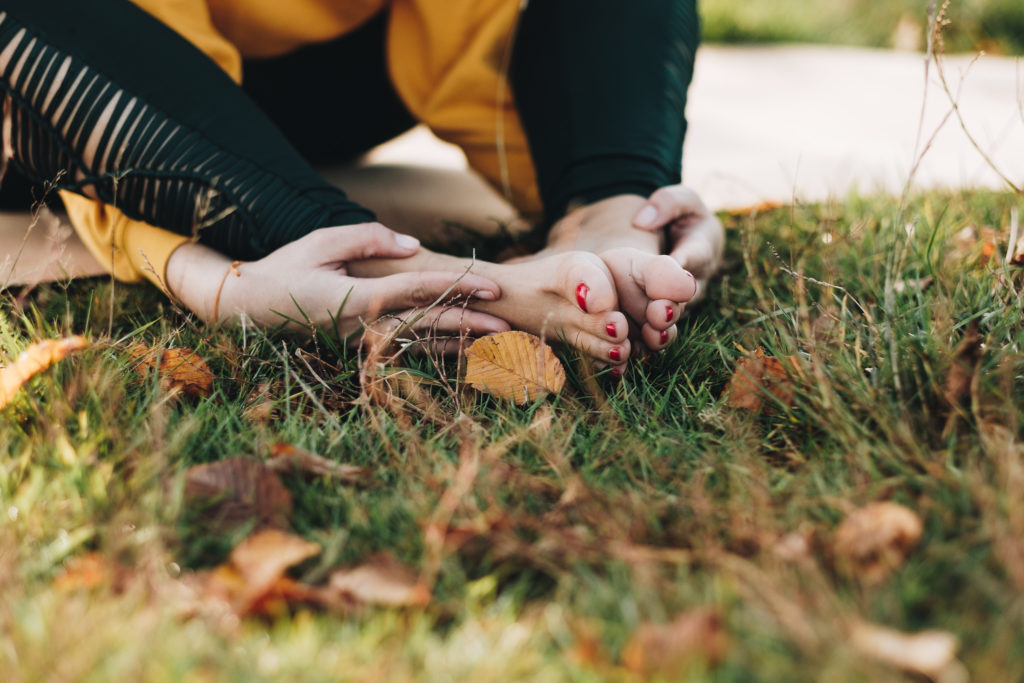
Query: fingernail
[(664, 336), (581, 296), (485, 295), (615, 354), (407, 241), (669, 314), (646, 217), (610, 329)]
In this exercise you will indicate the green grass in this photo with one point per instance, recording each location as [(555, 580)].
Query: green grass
[(996, 26), (93, 456)]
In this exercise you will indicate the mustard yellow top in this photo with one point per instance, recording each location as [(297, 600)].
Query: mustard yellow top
[(445, 58)]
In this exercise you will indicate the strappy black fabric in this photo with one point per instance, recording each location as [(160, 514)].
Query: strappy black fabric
[(104, 100)]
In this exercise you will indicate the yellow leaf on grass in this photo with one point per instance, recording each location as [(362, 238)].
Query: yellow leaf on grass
[(514, 365), (34, 360), (756, 380), (180, 368)]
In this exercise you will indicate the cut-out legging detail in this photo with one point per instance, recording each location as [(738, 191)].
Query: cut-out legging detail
[(172, 141)]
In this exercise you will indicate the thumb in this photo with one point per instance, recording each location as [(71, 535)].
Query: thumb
[(666, 205), (363, 241)]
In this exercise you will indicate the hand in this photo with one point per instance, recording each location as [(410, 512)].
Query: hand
[(306, 283), (695, 235)]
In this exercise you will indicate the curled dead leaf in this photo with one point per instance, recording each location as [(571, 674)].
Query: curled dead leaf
[(695, 639), (755, 380), (875, 540), (253, 581), (287, 458), (514, 365), (34, 360), (927, 653), (237, 491), (180, 369), (380, 581)]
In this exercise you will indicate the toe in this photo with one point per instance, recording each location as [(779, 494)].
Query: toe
[(601, 350), (664, 278), (661, 314), (587, 284), (656, 339), (613, 326)]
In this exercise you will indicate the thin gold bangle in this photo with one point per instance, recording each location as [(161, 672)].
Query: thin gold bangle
[(233, 268)]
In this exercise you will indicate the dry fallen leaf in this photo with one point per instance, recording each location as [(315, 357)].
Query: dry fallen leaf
[(694, 639), (87, 572), (179, 368), (34, 360), (514, 365), (755, 208), (756, 378), (927, 653), (380, 581), (875, 540), (253, 580), (975, 246), (236, 491), (287, 458)]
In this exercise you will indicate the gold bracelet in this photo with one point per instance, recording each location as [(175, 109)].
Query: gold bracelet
[(233, 268)]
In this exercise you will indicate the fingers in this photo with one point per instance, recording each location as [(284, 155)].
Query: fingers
[(365, 240), (666, 205), (411, 290)]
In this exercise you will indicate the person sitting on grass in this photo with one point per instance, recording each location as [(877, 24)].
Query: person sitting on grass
[(168, 169)]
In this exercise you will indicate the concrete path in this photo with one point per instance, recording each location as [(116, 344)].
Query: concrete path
[(812, 122)]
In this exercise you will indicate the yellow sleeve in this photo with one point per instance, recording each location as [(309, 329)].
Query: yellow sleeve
[(130, 249), (447, 61)]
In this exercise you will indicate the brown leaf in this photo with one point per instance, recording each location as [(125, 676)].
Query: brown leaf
[(961, 373), (975, 246), (179, 368), (34, 360), (755, 378), (253, 580), (694, 639), (927, 653), (287, 458), (380, 581), (514, 365), (875, 540), (236, 491)]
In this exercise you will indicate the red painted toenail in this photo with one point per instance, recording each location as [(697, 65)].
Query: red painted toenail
[(610, 329), (615, 354), (664, 336), (669, 314), (581, 295)]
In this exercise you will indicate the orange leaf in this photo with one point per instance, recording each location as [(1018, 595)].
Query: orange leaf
[(756, 208), (514, 365), (287, 458), (253, 581), (695, 638), (84, 573), (876, 539), (236, 491), (755, 378), (179, 368), (380, 581), (34, 360)]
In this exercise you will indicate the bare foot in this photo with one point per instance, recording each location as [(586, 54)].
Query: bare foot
[(651, 288), (566, 296)]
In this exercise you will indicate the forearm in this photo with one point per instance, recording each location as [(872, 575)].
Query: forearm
[(194, 273)]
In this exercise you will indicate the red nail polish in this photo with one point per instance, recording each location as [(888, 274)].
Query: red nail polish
[(610, 329), (669, 314), (615, 354), (664, 336), (581, 296)]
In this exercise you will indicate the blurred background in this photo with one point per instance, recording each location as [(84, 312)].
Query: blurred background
[(995, 26)]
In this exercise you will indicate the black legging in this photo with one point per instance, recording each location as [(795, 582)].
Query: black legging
[(127, 110)]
